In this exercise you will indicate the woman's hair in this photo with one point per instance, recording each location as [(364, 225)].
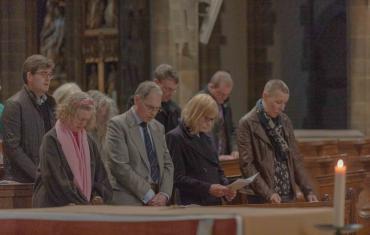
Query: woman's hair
[(77, 101), (64, 91), (197, 107), (101, 100)]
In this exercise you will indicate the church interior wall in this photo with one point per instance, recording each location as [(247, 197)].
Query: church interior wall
[(279, 43), (286, 55), (233, 53)]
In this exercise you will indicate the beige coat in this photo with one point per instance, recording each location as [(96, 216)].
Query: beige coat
[(257, 155), (128, 162)]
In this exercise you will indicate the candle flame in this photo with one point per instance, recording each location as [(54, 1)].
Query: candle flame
[(340, 163)]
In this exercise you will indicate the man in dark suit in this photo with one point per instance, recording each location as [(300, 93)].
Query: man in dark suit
[(167, 79), (220, 87), (28, 115), (139, 162)]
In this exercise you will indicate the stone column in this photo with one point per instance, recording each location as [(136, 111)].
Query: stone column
[(359, 66), (175, 40), (18, 40), (73, 30)]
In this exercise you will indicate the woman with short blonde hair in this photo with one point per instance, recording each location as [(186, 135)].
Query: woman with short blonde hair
[(199, 106), (198, 176)]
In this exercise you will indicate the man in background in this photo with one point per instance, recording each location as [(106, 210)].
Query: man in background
[(167, 79), (220, 87), (27, 116)]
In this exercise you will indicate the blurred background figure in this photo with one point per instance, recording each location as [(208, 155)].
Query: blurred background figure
[(165, 76), (106, 108), (70, 170), (65, 91), (95, 14), (220, 87), (1, 123), (198, 176), (27, 116)]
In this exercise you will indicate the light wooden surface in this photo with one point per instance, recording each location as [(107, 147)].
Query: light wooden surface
[(256, 221)]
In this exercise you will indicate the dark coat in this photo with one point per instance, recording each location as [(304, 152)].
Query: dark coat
[(168, 116), (228, 125), (23, 132), (54, 184), (257, 155), (196, 166)]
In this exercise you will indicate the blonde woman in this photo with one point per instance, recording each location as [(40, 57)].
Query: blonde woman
[(70, 169), (198, 176)]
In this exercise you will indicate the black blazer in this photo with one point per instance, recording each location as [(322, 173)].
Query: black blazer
[(196, 166)]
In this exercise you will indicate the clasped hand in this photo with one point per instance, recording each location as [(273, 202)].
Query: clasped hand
[(158, 200), (218, 190)]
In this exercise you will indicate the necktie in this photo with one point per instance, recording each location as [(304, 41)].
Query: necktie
[(152, 155)]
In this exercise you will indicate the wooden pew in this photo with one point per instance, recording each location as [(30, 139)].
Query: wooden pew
[(356, 147), (321, 170), (318, 148), (16, 195), (231, 168), (364, 147), (364, 219), (351, 217)]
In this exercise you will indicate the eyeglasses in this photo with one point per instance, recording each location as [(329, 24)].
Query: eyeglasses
[(169, 89), (46, 74), (152, 108)]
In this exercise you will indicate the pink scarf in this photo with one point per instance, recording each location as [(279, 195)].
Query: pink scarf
[(78, 158)]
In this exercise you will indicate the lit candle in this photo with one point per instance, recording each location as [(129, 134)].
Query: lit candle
[(339, 193)]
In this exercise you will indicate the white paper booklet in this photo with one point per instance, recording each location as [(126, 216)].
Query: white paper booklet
[(241, 183)]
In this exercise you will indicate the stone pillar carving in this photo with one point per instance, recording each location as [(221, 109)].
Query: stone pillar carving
[(175, 40), (18, 40), (134, 41), (52, 36), (359, 66), (73, 44)]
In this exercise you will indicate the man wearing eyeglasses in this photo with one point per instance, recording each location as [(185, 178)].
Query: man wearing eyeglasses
[(167, 79), (223, 133), (28, 115), (139, 162)]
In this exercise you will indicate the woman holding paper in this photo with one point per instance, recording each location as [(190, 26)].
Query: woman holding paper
[(198, 176), (267, 145)]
